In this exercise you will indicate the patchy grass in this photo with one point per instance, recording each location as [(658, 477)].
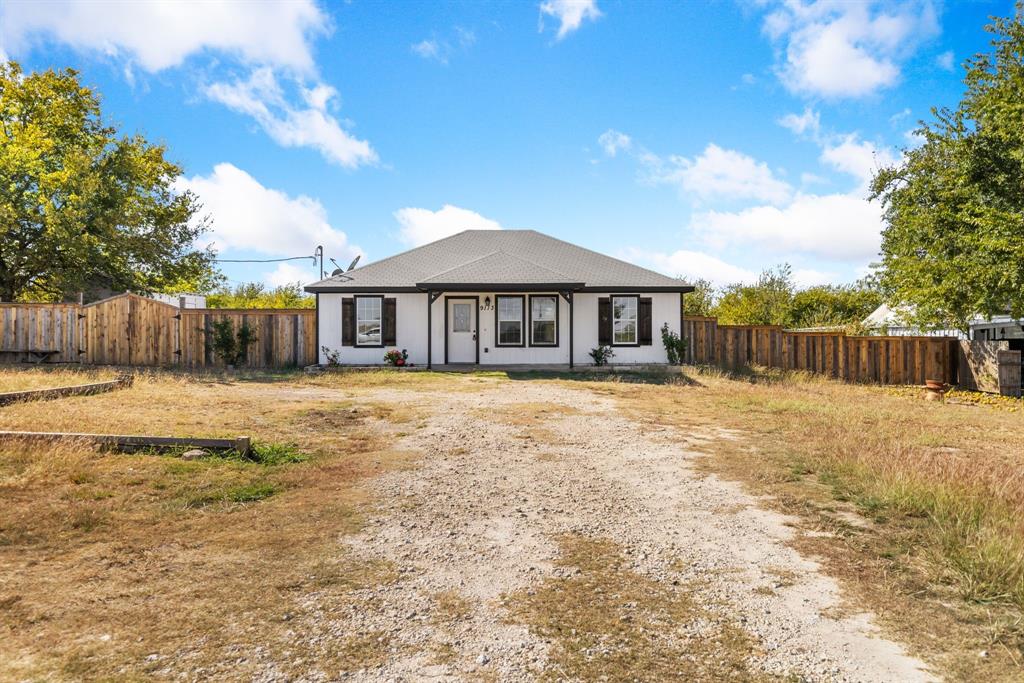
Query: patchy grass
[(119, 566), (15, 378), (607, 622), (941, 556)]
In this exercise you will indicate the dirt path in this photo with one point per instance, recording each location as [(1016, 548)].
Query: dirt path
[(510, 468)]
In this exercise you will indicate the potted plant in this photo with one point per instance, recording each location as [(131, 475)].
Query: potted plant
[(396, 358)]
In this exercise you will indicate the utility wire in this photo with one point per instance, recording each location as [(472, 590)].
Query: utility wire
[(269, 260)]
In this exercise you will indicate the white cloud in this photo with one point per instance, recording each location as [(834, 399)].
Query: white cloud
[(808, 123), (420, 226), (158, 34), (692, 265), (837, 226), (248, 216), (719, 172), (570, 14), (858, 158), (262, 98), (612, 141), (945, 60), (809, 277), (289, 273), (430, 49), (839, 49)]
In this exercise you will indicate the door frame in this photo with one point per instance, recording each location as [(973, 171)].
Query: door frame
[(476, 314)]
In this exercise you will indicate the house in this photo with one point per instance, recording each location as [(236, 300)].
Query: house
[(894, 322), (497, 297)]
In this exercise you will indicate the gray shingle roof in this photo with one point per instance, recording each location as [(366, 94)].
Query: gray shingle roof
[(498, 257)]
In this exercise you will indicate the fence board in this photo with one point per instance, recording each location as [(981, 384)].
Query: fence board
[(883, 360), (132, 330)]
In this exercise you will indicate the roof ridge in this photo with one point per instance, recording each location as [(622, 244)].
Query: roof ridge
[(466, 263)]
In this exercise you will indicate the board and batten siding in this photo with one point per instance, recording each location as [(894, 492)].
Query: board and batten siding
[(665, 308), (411, 322), (410, 329)]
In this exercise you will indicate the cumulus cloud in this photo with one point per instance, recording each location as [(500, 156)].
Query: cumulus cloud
[(430, 49), (289, 273), (858, 158), (846, 50), (246, 215), (158, 34), (569, 13), (691, 265), (718, 172), (945, 60), (837, 227), (612, 142), (808, 123), (312, 125), (420, 226)]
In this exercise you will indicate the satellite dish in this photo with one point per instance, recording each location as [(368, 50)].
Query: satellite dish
[(354, 262), (336, 272)]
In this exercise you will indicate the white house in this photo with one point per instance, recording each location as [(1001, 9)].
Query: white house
[(497, 297)]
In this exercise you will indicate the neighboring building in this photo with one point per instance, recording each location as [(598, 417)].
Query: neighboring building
[(181, 300), (887, 321), (497, 297)]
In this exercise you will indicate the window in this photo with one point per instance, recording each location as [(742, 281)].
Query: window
[(509, 313), (461, 314), (624, 319), (368, 320), (543, 320)]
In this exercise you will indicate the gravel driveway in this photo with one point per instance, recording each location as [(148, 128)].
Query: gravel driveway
[(512, 467)]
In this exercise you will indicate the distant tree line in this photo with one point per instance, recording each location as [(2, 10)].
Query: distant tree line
[(257, 295), (775, 299)]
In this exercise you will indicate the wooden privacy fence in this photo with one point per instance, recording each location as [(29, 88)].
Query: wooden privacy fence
[(132, 330), (884, 360)]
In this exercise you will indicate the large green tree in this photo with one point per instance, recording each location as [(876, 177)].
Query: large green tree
[(81, 206), (953, 245)]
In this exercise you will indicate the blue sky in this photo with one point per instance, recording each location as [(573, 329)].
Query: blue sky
[(701, 139)]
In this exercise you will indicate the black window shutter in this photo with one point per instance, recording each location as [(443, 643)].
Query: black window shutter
[(348, 322), (389, 323), (646, 322), (604, 321)]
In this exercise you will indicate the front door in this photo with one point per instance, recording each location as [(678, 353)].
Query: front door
[(461, 331)]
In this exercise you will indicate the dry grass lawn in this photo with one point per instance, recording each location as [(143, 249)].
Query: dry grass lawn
[(120, 566), (922, 503), (27, 377)]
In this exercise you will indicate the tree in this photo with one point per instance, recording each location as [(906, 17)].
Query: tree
[(833, 305), (701, 301), (81, 207), (256, 295), (953, 245), (765, 303)]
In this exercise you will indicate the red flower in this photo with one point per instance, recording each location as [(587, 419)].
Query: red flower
[(400, 361)]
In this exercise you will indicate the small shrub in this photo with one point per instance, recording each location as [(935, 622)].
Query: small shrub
[(333, 357), (396, 358), (675, 346), (230, 346), (602, 354)]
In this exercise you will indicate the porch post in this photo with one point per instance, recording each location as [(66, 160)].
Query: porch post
[(571, 305), (430, 328)]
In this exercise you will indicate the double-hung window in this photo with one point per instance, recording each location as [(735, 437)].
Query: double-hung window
[(509, 314), (543, 320), (625, 311), (369, 314)]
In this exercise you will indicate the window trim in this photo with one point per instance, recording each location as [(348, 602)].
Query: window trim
[(558, 313), (355, 332), (635, 297), (522, 320)]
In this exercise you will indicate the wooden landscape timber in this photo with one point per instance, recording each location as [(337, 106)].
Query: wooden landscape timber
[(134, 442), (128, 329), (121, 382)]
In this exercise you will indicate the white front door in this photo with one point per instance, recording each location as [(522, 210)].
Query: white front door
[(461, 330)]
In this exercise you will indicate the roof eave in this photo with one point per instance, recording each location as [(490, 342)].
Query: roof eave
[(498, 286)]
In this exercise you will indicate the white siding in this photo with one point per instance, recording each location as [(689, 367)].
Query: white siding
[(665, 308), (411, 322), (411, 310)]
